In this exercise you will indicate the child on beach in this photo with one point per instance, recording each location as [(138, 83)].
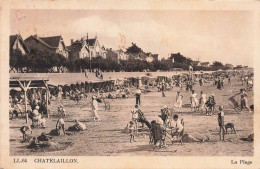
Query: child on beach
[(210, 103), (60, 125), (61, 111), (132, 130), (26, 131), (135, 115)]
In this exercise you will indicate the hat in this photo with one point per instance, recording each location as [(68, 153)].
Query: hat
[(175, 116), (37, 107), (212, 94), (220, 108), (165, 107), (159, 121), (43, 134)]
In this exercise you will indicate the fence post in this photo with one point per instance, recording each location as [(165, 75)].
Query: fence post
[(25, 100)]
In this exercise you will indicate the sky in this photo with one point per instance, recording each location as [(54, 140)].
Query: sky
[(209, 36)]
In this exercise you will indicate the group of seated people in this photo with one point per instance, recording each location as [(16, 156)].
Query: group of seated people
[(164, 126), (160, 130), (14, 106), (60, 126), (39, 121), (76, 95), (164, 86), (119, 92)]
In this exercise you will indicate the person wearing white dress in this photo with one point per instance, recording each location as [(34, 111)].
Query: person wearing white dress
[(95, 109), (203, 99), (178, 103), (194, 101)]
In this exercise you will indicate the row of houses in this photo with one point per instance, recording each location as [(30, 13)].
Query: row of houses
[(207, 64), (202, 64), (85, 48), (80, 48)]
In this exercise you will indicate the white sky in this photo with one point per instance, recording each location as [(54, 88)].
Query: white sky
[(225, 36)]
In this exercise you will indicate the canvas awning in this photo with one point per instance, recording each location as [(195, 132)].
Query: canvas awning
[(27, 81)]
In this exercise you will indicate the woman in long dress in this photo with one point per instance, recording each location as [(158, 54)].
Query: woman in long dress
[(219, 84), (178, 103), (194, 101), (95, 109), (244, 102), (203, 99)]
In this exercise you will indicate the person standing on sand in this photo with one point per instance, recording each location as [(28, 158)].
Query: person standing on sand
[(163, 89), (178, 103), (244, 102), (132, 130), (229, 80), (221, 123), (59, 94), (60, 125), (135, 116), (138, 96), (95, 109), (194, 101), (86, 73), (203, 100), (222, 83)]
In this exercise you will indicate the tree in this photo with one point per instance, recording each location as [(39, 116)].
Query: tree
[(217, 64), (178, 58), (134, 49)]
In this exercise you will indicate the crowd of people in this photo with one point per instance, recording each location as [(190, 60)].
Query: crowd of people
[(170, 121), (168, 124), (165, 125)]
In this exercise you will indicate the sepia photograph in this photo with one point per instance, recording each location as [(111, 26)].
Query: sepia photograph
[(131, 82)]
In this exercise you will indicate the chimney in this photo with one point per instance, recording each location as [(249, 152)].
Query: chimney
[(71, 41)]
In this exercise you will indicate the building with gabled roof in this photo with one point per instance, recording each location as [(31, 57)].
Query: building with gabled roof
[(155, 56), (195, 63), (17, 42), (78, 50), (52, 44), (94, 47), (204, 64), (116, 55)]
